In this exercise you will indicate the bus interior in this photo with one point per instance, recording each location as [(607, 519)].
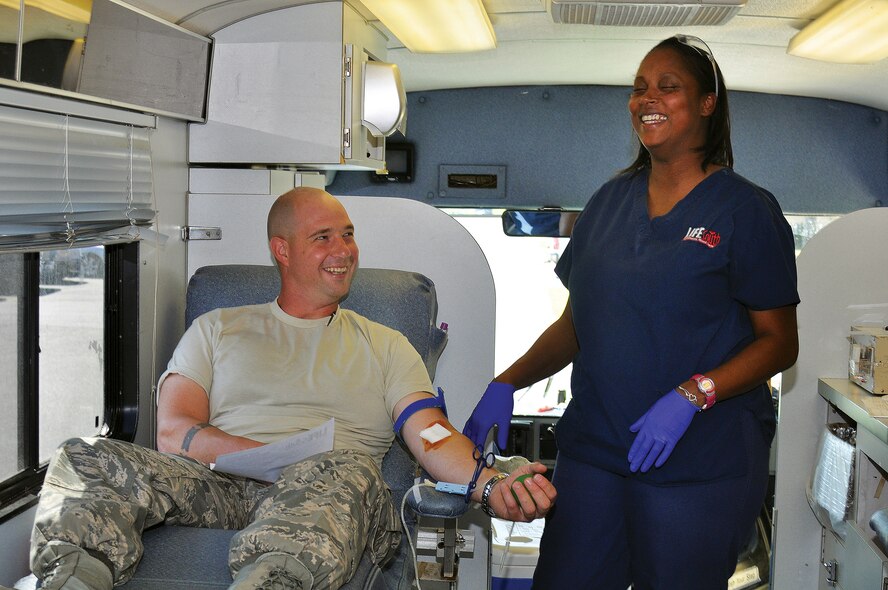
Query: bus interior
[(142, 140)]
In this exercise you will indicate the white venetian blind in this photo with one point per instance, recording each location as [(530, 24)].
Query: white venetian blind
[(68, 181)]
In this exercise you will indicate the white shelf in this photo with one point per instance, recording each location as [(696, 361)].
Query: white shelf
[(853, 400)]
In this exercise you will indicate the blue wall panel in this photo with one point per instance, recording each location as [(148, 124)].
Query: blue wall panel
[(816, 156), (560, 143)]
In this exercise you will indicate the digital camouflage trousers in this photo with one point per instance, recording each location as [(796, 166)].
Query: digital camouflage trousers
[(100, 494)]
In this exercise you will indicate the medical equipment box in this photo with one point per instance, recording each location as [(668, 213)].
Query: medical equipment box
[(868, 361), (515, 550)]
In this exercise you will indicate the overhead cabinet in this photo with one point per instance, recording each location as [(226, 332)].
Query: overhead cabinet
[(287, 87)]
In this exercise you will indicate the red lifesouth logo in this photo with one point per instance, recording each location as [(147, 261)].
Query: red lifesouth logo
[(707, 237)]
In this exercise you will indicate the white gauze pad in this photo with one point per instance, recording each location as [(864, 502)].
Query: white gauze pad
[(434, 433)]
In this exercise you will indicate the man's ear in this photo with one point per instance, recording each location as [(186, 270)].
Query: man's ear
[(280, 250)]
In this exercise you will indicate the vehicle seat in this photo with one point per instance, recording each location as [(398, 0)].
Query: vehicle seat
[(183, 558)]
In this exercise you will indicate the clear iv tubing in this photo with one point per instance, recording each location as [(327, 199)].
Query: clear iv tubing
[(506, 550), (407, 529)]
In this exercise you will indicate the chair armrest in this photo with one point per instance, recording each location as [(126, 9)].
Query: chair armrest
[(427, 501)]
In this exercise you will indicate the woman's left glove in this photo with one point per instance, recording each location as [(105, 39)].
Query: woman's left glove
[(659, 429)]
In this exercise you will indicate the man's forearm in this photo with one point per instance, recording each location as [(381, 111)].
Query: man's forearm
[(186, 442), (200, 441)]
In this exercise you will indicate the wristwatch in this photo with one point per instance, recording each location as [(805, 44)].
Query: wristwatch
[(706, 386), (485, 495)]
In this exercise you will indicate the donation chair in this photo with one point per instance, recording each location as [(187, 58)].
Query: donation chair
[(185, 558)]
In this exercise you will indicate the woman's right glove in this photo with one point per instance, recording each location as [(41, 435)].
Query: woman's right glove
[(494, 409), (659, 429)]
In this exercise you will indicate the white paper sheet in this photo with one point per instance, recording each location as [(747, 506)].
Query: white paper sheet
[(265, 463)]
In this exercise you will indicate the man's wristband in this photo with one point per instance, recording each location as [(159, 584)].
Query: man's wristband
[(485, 494)]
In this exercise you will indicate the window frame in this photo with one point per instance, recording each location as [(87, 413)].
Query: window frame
[(121, 371), (121, 327)]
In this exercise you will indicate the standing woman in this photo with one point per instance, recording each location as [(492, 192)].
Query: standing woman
[(682, 302)]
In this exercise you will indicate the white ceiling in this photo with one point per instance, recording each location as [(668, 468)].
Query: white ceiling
[(750, 49), (532, 49)]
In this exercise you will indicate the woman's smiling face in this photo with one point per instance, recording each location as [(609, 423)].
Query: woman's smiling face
[(669, 113)]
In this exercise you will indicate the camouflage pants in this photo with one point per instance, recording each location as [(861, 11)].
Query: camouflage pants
[(100, 494)]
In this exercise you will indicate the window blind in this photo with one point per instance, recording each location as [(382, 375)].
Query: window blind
[(67, 181)]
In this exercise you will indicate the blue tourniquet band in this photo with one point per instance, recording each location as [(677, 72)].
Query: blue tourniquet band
[(420, 404)]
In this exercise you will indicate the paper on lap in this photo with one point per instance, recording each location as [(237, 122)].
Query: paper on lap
[(265, 463)]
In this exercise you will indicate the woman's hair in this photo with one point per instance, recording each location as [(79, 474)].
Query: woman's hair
[(717, 149)]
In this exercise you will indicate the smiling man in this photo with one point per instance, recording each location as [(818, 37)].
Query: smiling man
[(313, 242), (247, 376)]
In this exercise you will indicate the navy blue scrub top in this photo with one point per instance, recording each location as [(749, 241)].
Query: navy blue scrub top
[(655, 301)]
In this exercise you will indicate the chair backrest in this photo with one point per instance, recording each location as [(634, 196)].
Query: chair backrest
[(399, 299), (405, 301)]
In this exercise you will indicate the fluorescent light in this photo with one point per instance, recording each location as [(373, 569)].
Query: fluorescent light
[(73, 10), (436, 26), (851, 32)]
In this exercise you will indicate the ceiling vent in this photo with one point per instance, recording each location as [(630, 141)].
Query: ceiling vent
[(644, 13)]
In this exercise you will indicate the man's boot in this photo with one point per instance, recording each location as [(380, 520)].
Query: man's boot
[(68, 567), (274, 571)]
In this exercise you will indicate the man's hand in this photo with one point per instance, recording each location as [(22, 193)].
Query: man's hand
[(659, 429), (494, 409), (524, 500)]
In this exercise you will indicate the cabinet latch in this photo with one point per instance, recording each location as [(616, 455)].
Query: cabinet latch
[(832, 569), (199, 232)]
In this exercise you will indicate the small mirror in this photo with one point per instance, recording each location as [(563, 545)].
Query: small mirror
[(546, 222), (9, 34), (53, 36), (107, 50)]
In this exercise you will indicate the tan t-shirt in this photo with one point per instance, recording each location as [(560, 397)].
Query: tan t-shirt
[(269, 375)]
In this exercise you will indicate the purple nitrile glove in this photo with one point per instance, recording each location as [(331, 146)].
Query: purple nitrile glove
[(659, 429), (494, 409)]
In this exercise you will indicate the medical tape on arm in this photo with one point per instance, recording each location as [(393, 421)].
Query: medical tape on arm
[(420, 404)]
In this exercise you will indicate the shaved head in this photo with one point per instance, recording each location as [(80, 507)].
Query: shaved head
[(312, 242), (286, 208)]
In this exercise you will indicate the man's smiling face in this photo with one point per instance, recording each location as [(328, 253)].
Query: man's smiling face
[(322, 255)]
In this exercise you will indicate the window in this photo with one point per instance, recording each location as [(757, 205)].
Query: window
[(74, 194), (68, 356), (805, 226), (70, 328), (529, 298)]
